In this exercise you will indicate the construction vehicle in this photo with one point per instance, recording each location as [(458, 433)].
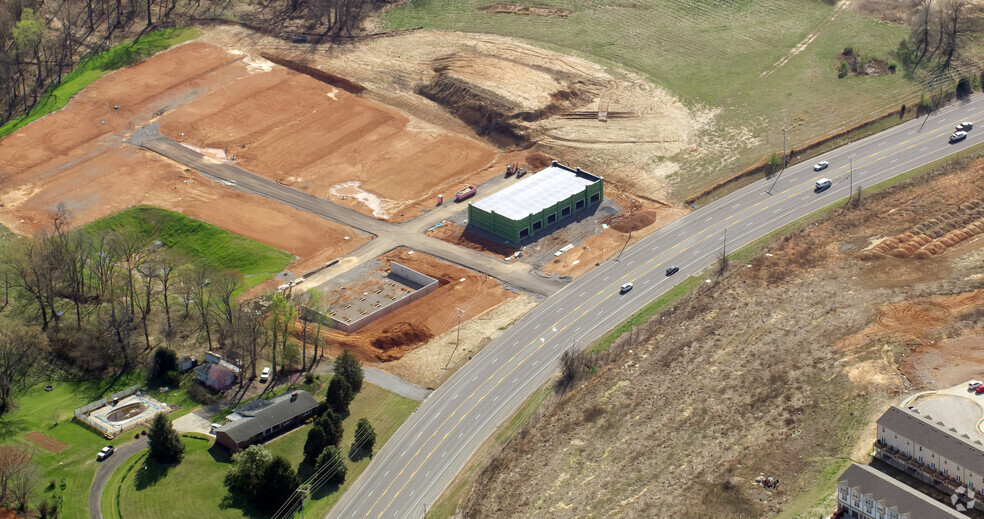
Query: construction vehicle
[(467, 192)]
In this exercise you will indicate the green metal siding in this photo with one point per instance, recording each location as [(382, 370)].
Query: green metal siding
[(510, 229)]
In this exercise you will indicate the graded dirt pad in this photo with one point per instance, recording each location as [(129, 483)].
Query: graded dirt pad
[(122, 176), (394, 335), (468, 83), (71, 157), (304, 133), (46, 442), (811, 349)]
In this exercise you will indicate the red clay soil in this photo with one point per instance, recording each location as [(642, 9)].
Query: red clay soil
[(47, 442), (71, 157), (458, 235), (395, 334), (310, 135), (945, 363)]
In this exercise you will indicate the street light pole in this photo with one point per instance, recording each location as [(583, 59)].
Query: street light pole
[(783, 162)]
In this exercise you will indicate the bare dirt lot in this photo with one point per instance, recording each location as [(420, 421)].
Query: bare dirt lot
[(778, 368), (46, 442), (513, 95), (304, 133), (394, 335), (71, 157)]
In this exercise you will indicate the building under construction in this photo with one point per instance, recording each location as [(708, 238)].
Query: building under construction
[(535, 204)]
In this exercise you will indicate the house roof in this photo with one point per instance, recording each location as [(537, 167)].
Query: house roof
[(937, 436), (893, 493), (260, 415), (537, 192)]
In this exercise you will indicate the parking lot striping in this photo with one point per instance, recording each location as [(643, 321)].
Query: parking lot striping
[(582, 315)]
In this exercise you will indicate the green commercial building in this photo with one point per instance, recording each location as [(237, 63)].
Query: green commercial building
[(529, 207)]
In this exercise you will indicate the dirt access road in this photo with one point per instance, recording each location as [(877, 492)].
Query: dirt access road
[(388, 235)]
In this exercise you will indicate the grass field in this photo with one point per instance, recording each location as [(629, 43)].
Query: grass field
[(711, 55), (150, 493), (97, 66), (219, 248), (50, 412)]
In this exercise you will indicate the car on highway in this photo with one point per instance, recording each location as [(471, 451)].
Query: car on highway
[(823, 183), (957, 137), (672, 270), (965, 126), (105, 452), (625, 288), (265, 375), (820, 166)]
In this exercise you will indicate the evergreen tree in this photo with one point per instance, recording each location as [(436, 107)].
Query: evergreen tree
[(349, 368), (314, 444), (331, 457), (339, 395), (280, 481), (331, 424), (164, 443), (365, 436), (164, 360)]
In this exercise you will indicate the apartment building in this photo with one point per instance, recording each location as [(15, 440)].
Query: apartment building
[(865, 493)]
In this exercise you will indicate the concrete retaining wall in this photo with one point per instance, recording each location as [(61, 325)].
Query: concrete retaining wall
[(428, 285)]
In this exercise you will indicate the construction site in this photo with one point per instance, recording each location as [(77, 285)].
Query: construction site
[(166, 132)]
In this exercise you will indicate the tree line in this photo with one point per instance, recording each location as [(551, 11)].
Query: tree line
[(938, 31), (101, 302)]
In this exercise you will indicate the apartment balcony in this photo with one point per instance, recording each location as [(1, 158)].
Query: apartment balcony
[(904, 457), (916, 464)]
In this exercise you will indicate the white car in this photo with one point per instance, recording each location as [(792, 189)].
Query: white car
[(824, 183), (625, 288), (974, 383), (820, 166), (105, 452), (958, 136), (265, 374)]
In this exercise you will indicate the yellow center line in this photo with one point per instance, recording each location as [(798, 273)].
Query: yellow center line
[(924, 138)]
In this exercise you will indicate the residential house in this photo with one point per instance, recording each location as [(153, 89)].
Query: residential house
[(259, 420), (217, 373), (932, 451), (866, 493)]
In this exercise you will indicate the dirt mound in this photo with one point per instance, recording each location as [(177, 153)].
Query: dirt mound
[(622, 222), (534, 10), (471, 87), (537, 160), (934, 236), (400, 335)]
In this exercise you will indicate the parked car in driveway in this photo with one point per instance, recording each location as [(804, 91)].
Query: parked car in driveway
[(974, 383), (965, 126), (957, 137), (672, 270), (105, 452), (980, 389), (823, 183), (625, 288), (265, 375), (820, 166)]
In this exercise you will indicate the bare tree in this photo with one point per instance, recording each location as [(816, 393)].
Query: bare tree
[(166, 264), (225, 286), (201, 297), (12, 461), (21, 350), (22, 484)]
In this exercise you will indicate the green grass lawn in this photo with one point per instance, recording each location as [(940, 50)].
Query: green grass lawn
[(152, 493), (711, 55), (218, 247), (50, 412), (96, 67)]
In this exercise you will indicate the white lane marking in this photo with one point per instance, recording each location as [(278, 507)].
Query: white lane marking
[(709, 218), (749, 224), (893, 161), (582, 293), (924, 149), (605, 278), (736, 205), (777, 210), (910, 133)]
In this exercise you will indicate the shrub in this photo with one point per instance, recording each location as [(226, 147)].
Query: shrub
[(963, 88), (892, 67), (848, 51), (200, 394), (309, 378), (844, 68), (172, 379)]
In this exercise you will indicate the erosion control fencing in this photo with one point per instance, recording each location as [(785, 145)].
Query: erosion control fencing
[(110, 430)]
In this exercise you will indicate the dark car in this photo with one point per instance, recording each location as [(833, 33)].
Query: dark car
[(965, 126), (672, 270), (105, 452)]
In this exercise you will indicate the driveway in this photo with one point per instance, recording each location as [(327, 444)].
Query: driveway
[(191, 422), (106, 468), (386, 381)]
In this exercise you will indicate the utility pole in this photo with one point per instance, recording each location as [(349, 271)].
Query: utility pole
[(852, 178), (457, 340), (631, 205), (783, 162)]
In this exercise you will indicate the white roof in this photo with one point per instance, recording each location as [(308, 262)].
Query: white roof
[(536, 193)]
